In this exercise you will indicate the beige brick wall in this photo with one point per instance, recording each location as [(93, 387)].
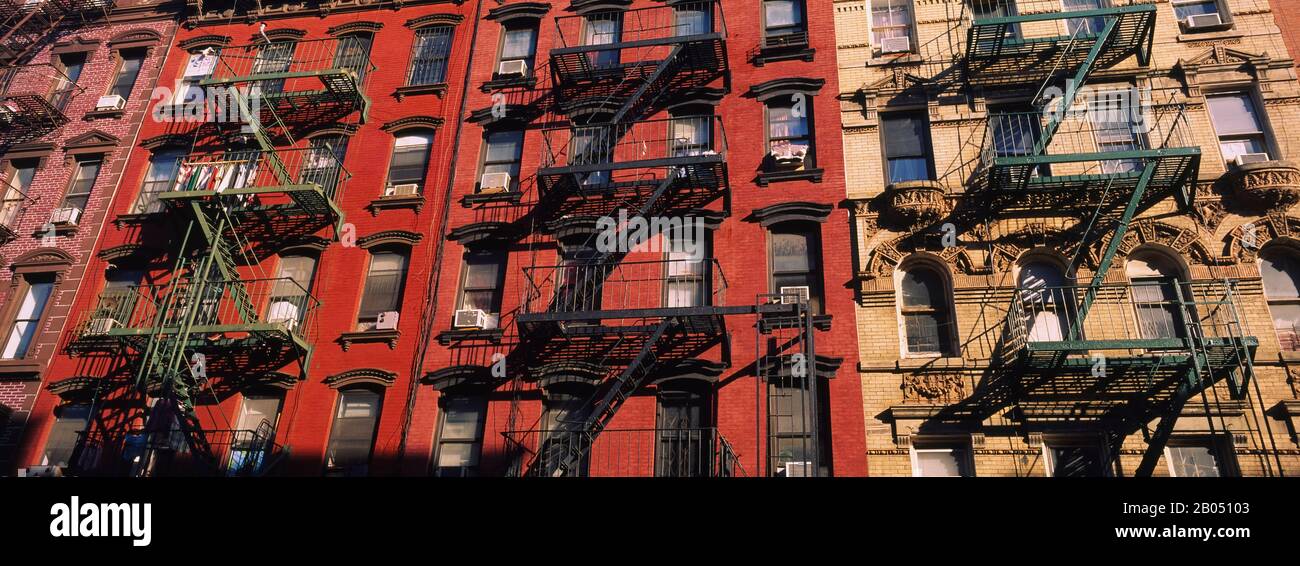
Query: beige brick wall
[(1250, 56)]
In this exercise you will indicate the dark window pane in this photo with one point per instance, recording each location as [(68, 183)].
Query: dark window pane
[(127, 73), (71, 420), (353, 433), (431, 52)]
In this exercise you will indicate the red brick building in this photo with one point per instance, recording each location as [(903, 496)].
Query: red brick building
[(1288, 21), (418, 264), (74, 86)]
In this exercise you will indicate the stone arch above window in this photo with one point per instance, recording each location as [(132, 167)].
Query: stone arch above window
[(520, 11), (412, 122), (361, 377), (581, 374), (307, 245), (481, 234), (434, 20), (785, 87), (74, 388), (696, 97), (460, 378), (584, 7), (271, 380), (282, 34), (202, 41), (135, 38), (333, 130), (389, 238), (42, 260), (355, 27), (691, 370), (791, 212), (129, 254)]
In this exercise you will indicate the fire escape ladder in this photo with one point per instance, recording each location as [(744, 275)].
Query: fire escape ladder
[(1112, 247), (655, 81), (1074, 86), (1168, 419)]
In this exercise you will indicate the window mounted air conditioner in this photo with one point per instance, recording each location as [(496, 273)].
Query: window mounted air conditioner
[(110, 102), (99, 326), (494, 183), (473, 319), (65, 216), (283, 312), (1201, 21), (795, 295), (518, 68), (387, 321), (790, 153), (1248, 158), (798, 469), (402, 189), (896, 45)]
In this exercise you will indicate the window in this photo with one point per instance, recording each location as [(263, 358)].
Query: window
[(352, 437), (163, 167), (1196, 458), (383, 292), (989, 9), (684, 430), (1017, 129), (690, 135), (603, 28), (1281, 273), (890, 19), (1238, 125), (519, 43), (687, 267), (275, 57), (128, 69), (290, 294), (1048, 303), (789, 131), (17, 181), (481, 283), (1185, 9), (1074, 460), (907, 146), (118, 299), (67, 69), (564, 412), (429, 60), (796, 262), (460, 435), (1083, 27), (1114, 126), (792, 419), (1156, 296), (324, 162), (35, 293), (783, 21), (62, 442), (199, 66), (410, 159), (692, 18), (927, 319), (254, 433), (936, 462), (354, 53), (82, 183), (502, 153), (592, 145)]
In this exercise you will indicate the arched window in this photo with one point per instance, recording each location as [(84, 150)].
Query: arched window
[(1048, 303), (927, 320), (1281, 272), (1155, 281)]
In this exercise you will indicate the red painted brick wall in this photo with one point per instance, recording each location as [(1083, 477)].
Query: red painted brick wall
[(1287, 16)]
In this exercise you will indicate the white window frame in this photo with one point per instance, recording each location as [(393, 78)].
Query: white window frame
[(966, 458), (1218, 8), (1049, 462), (1266, 129), (910, 26), (1220, 450)]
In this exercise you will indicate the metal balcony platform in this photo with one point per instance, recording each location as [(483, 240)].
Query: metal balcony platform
[(1015, 186), (26, 117)]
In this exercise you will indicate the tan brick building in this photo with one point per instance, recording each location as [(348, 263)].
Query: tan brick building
[(1041, 292)]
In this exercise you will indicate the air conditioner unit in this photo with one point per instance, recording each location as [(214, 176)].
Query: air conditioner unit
[(402, 189), (1200, 21), (494, 183), (387, 321), (896, 45), (283, 312), (101, 325), (1248, 158), (798, 469), (794, 295), (110, 102), (518, 67), (40, 472), (67, 216), (790, 153), (471, 318)]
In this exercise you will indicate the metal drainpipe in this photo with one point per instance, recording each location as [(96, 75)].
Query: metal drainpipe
[(429, 315)]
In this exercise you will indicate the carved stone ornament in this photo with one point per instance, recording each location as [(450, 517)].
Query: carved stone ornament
[(934, 387), (1270, 185), (917, 203)]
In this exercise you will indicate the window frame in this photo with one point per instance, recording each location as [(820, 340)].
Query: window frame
[(909, 27), (1225, 457), (1266, 137), (121, 57), (64, 85), (429, 135), (926, 153), (810, 156), (793, 30), (57, 433), (146, 201), (1049, 458), (15, 194), (946, 314), (1292, 343), (501, 256), (25, 286), (962, 455), (485, 161), (339, 405), (363, 317), (424, 66), (77, 179), (530, 61), (812, 233), (476, 444)]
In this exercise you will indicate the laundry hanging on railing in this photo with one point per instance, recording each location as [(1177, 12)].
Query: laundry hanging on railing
[(217, 176)]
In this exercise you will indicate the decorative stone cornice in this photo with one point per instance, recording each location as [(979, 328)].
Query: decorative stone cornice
[(166, 141), (408, 122), (135, 38), (73, 387), (519, 11), (573, 373), (917, 203), (434, 20), (362, 376), (210, 40), (785, 87), (354, 27), (389, 237), (791, 211), (481, 234), (459, 378), (1273, 185)]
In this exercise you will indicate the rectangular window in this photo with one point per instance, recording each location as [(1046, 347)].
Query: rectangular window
[(354, 54), (67, 72), (410, 160), (429, 58), (163, 167), (254, 433), (118, 299), (795, 262), (890, 19), (1238, 125), (272, 58), (519, 43), (128, 69), (199, 66), (1074, 461), (383, 290), (62, 442), (1196, 459), (324, 162), (83, 181), (290, 295), (989, 9), (481, 283), (784, 20), (789, 132), (687, 268), (1083, 27), (1185, 9), (1115, 128), (907, 146), (941, 462), (352, 437), (502, 153), (35, 295), (460, 435), (792, 416), (685, 430), (17, 182), (603, 28)]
